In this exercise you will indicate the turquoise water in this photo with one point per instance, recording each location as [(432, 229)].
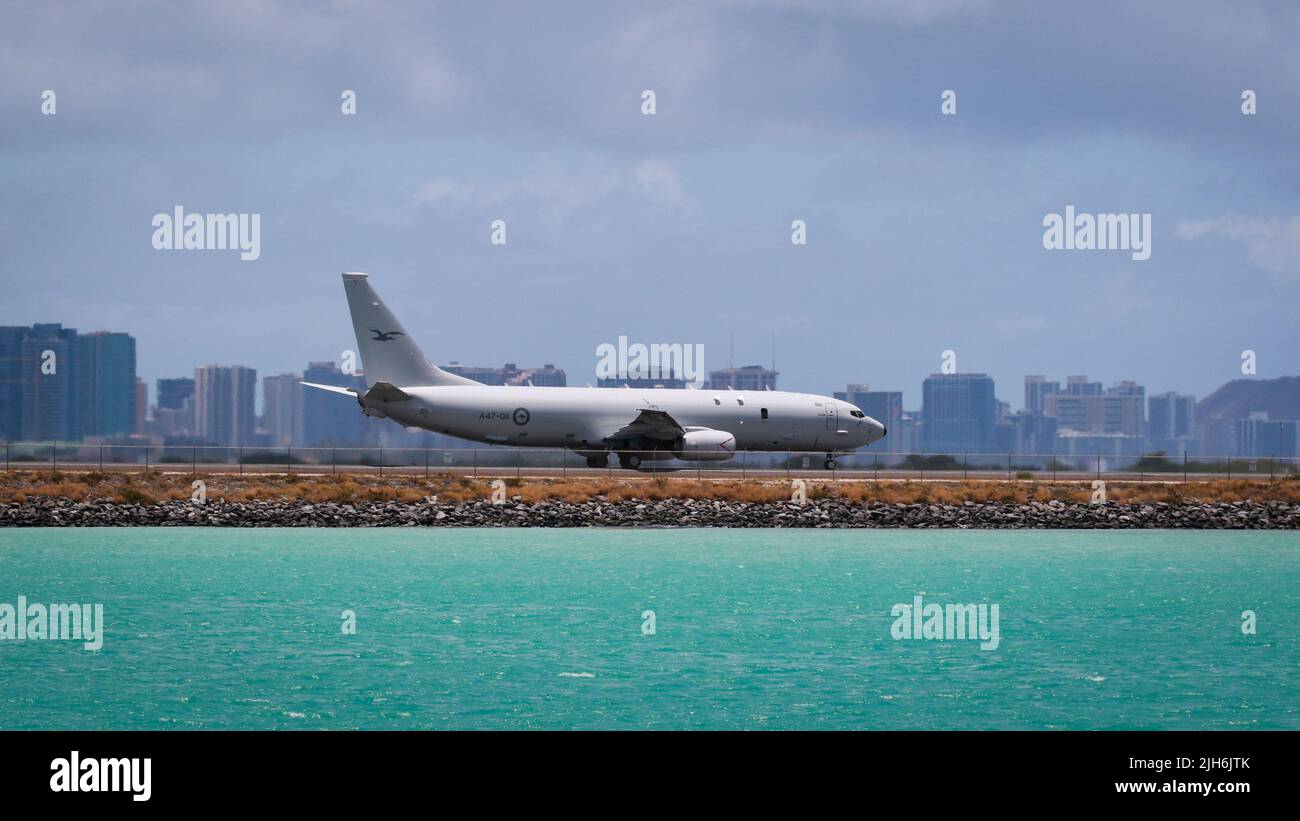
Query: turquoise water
[(220, 628)]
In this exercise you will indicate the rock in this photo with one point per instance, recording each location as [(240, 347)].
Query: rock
[(599, 512)]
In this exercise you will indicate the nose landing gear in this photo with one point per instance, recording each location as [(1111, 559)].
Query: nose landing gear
[(830, 462)]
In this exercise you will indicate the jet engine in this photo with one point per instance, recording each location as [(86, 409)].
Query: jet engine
[(705, 445)]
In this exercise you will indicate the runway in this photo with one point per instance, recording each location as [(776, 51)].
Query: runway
[(721, 472)]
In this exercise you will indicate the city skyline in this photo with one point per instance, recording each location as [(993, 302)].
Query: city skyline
[(97, 394)]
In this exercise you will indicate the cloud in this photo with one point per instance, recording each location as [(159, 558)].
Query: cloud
[(441, 190), (1272, 244), (657, 180), (652, 181)]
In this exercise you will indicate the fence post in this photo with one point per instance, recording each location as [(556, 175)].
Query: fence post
[(146, 459), (54, 457), (241, 460), (426, 463), (1098, 465), (875, 468), (6, 456), (101, 458), (519, 462), (744, 462), (965, 459), (1008, 467), (194, 459), (288, 459), (475, 463)]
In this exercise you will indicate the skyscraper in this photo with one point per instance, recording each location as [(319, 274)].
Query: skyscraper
[(330, 420), (224, 404), (1083, 407), (282, 408), (1171, 416), (886, 407), (1036, 389), (958, 413), (105, 386), (48, 377), (173, 393), (748, 378), (11, 381)]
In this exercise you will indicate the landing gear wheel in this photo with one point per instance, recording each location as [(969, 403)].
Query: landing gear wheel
[(830, 464), (629, 460), (598, 461)]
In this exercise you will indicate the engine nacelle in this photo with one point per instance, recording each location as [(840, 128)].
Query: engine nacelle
[(705, 445)]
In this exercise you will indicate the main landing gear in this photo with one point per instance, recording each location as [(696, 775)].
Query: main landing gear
[(598, 461), (830, 462), (629, 460)]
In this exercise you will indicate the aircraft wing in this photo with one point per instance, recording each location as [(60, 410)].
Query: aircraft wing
[(353, 392), (650, 424)]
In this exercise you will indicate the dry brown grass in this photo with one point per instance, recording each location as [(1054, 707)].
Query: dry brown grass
[(147, 488)]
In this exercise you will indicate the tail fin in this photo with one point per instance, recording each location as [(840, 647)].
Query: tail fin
[(388, 353)]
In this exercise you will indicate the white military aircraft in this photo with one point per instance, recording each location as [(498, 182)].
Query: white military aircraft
[(692, 425)]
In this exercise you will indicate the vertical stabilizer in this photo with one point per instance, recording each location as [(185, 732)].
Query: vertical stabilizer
[(388, 353)]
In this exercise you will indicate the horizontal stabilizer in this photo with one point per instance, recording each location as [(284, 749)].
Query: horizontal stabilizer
[(353, 392)]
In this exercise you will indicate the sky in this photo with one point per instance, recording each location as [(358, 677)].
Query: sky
[(924, 230)]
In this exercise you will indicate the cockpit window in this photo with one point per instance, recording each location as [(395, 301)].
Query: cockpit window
[(857, 414)]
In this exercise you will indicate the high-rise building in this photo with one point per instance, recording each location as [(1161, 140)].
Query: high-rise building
[(886, 407), (1080, 386), (173, 393), (282, 408), (747, 378), (1171, 416), (1259, 436), (48, 375), (224, 404), (105, 385), (141, 404), (671, 381), (11, 381), (1036, 389), (1084, 408), (958, 413), (547, 376), (1027, 432), (330, 420)]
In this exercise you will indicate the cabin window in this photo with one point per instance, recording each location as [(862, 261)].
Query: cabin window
[(762, 412)]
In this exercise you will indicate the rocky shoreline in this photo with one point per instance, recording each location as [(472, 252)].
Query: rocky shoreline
[(53, 512)]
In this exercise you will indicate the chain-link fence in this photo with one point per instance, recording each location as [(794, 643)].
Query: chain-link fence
[(551, 462)]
